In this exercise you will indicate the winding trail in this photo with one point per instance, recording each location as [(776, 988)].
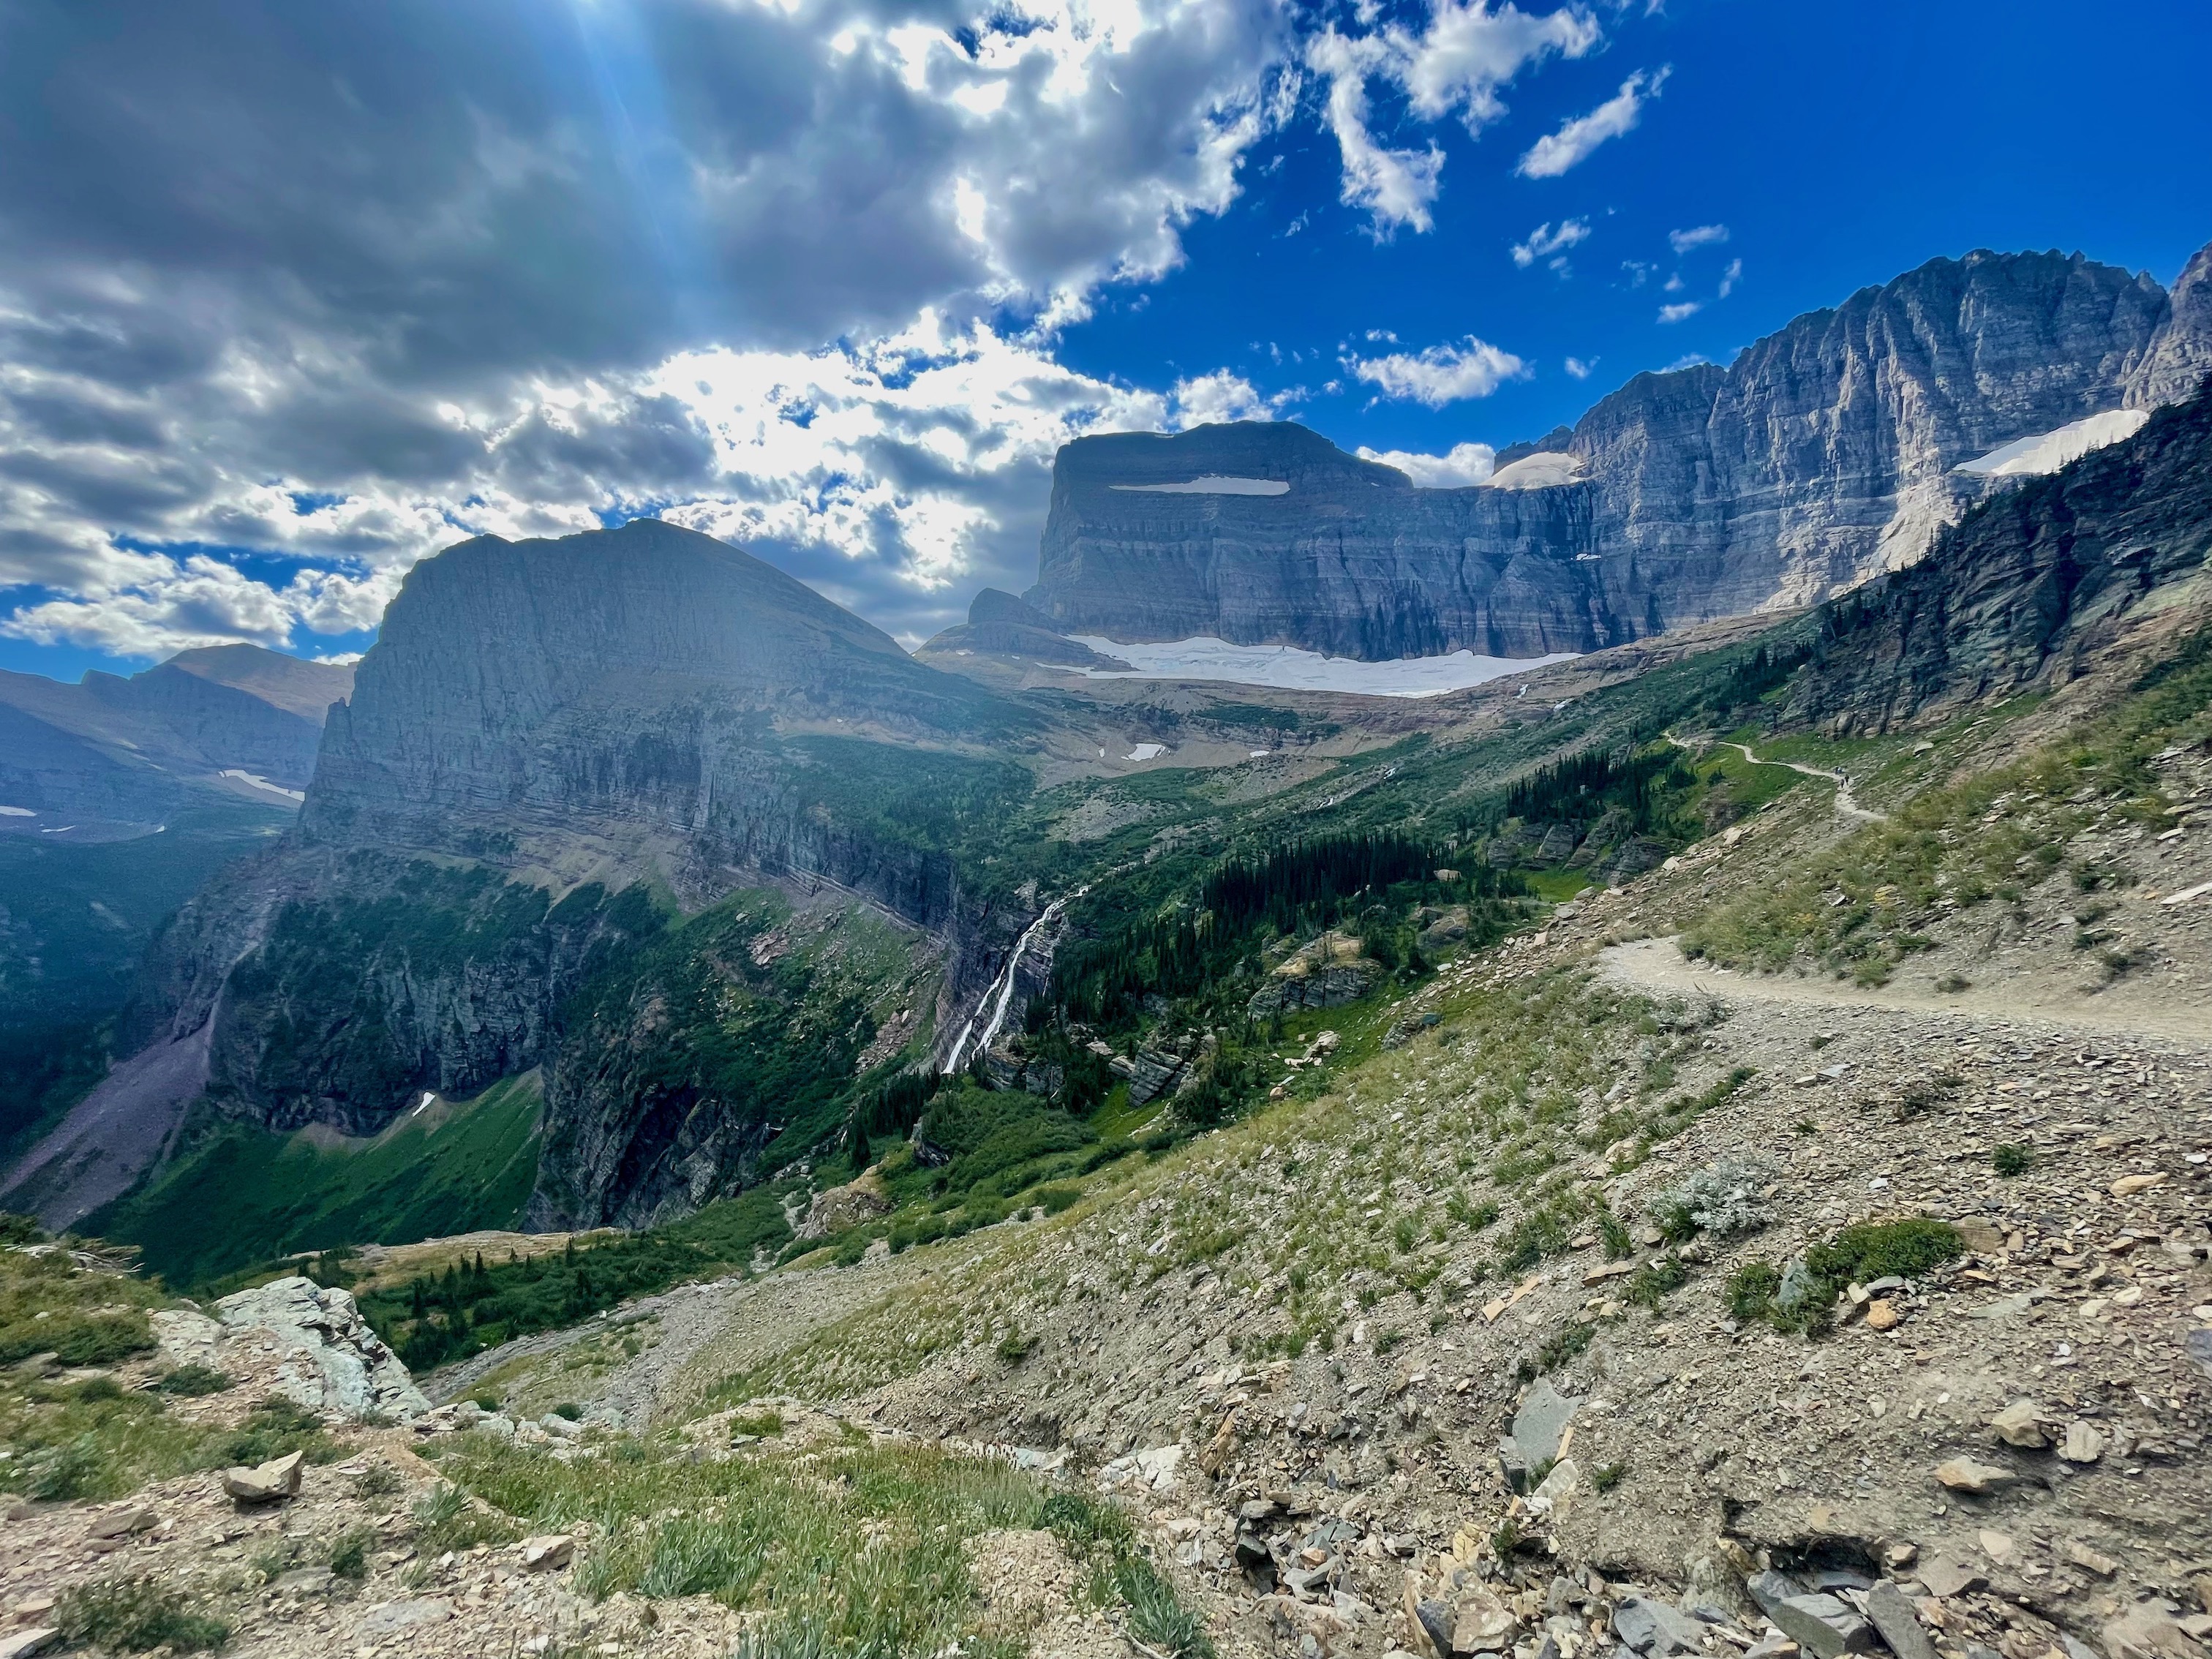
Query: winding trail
[(1846, 806), (1658, 965)]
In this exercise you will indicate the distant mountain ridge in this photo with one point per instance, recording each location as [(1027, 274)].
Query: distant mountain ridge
[(122, 751), (1826, 452)]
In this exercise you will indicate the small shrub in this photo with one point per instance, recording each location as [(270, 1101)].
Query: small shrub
[(1655, 1280), (1614, 1233), (56, 1474), (1157, 1615), (764, 1425), (1082, 1523), (1606, 1476), (1568, 1342), (131, 1616), (194, 1381), (1722, 1199), (378, 1480), (2013, 1159), (1751, 1292), (570, 1409), (349, 1554), (1951, 984), (1015, 1347)]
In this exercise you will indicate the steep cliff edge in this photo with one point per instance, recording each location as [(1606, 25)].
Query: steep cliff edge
[(2027, 587), (554, 753), (1825, 453)]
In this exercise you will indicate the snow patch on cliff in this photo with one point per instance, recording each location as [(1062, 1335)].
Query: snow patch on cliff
[(1547, 469), (1286, 667), (1212, 485), (2046, 452)]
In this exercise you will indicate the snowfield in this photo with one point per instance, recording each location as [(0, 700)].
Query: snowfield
[(2046, 452), (1288, 668), (1547, 470), (1212, 485)]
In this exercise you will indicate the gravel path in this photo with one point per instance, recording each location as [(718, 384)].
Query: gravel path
[(1658, 964)]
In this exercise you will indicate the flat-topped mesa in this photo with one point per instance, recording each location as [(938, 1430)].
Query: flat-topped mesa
[(1826, 452)]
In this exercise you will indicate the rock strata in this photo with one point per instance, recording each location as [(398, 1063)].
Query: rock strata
[(1824, 453)]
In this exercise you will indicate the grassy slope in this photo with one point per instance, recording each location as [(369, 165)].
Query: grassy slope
[(245, 1195)]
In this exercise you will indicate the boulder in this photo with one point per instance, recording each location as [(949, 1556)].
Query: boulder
[(265, 1483), (1892, 1618), (2021, 1423), (836, 1208), (549, 1552), (333, 1361), (1978, 1480), (1654, 1629)]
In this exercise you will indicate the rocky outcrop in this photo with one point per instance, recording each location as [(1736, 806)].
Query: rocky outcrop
[(1000, 625), (1825, 453), (2026, 588), (2180, 357), (331, 1360)]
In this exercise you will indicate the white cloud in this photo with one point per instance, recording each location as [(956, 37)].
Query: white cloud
[(1699, 236), (1730, 277), (1557, 152), (1676, 313), (1466, 463), (1543, 242), (1442, 373), (1394, 186), (1579, 368), (1457, 66), (1222, 396)]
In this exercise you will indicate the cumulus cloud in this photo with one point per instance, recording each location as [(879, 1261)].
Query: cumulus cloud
[(1581, 369), (1543, 242), (1699, 236), (1455, 67), (1676, 312), (1571, 145), (1466, 463), (1222, 396), (344, 289), (1442, 373)]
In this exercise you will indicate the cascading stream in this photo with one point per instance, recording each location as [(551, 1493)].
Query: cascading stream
[(1002, 988)]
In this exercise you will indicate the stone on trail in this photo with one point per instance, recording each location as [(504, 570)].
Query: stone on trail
[(1979, 1480), (22, 1644), (1823, 1625), (2021, 1423), (2083, 1444), (1997, 1546), (1654, 1629), (1481, 1623), (265, 1483), (1541, 1423), (1893, 1619), (549, 1552), (1947, 1577), (390, 1618), (121, 1523)]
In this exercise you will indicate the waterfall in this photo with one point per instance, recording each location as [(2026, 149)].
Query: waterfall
[(1002, 988)]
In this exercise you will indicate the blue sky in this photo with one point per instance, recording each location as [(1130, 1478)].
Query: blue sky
[(284, 309)]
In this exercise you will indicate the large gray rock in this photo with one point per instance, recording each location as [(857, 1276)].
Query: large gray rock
[(1898, 1625), (334, 1360), (1823, 454)]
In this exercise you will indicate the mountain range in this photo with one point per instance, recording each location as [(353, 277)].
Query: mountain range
[(719, 862), (1825, 453)]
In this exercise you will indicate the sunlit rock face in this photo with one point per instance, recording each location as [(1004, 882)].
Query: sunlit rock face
[(1826, 452)]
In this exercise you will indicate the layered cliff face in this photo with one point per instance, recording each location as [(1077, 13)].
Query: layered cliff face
[(1824, 453), (548, 741), (2026, 587)]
